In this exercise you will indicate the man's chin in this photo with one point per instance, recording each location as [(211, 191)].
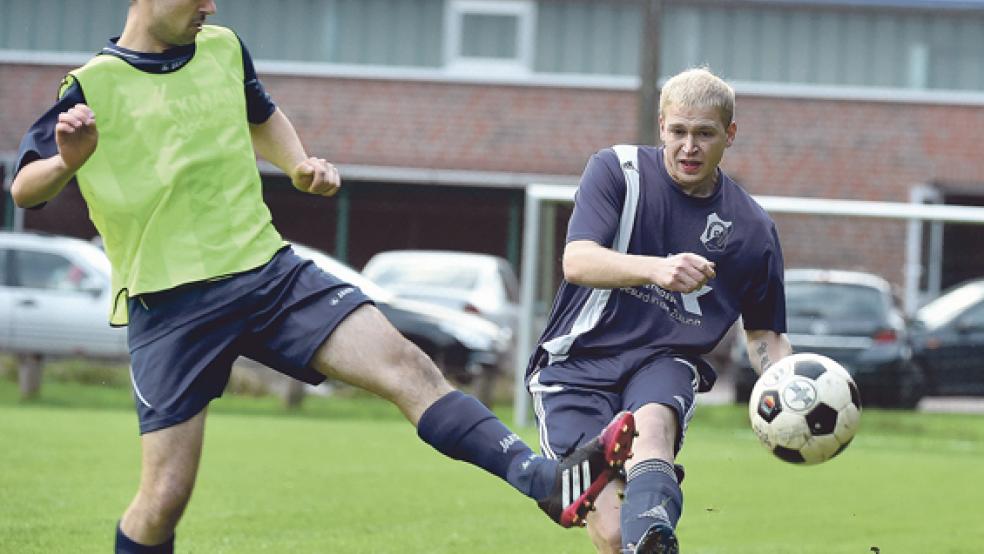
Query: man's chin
[(685, 178), (187, 38)]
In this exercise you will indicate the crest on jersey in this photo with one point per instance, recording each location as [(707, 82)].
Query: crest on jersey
[(716, 233)]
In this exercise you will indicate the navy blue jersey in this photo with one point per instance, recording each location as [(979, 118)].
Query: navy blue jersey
[(39, 141), (728, 228)]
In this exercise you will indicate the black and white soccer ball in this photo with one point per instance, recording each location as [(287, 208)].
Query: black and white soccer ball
[(805, 408)]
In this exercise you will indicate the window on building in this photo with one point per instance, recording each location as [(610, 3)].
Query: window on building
[(489, 36)]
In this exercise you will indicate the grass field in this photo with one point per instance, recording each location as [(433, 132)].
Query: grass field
[(348, 475)]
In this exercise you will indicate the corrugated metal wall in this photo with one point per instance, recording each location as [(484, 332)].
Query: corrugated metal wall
[(803, 45), (59, 25), (588, 37), (382, 32), (829, 47)]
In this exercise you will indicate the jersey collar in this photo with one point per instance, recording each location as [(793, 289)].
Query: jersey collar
[(167, 61)]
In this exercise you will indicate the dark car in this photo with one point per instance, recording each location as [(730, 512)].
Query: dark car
[(948, 341), (850, 317), (469, 349)]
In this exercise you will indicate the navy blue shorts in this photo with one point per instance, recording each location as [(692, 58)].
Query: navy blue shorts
[(183, 341), (576, 398)]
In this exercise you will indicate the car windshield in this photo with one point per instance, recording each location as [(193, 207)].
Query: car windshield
[(833, 301), (425, 273), (943, 309)]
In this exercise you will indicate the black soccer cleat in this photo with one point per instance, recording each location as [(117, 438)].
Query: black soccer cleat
[(658, 539), (583, 475)]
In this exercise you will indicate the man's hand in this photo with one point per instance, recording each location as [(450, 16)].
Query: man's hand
[(76, 136), (316, 176), (683, 272)]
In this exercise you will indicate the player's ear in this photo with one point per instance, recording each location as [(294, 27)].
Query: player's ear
[(731, 131)]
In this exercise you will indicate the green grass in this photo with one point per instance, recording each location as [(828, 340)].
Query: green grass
[(348, 475)]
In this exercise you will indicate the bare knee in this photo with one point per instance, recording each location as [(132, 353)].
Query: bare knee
[(417, 378), (365, 350), (163, 502), (414, 362), (658, 428)]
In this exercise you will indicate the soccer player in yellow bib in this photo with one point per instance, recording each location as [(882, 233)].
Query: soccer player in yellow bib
[(159, 131)]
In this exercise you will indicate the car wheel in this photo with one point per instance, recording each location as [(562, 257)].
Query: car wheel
[(899, 391), (910, 388)]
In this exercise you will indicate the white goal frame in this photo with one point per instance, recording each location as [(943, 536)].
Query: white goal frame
[(539, 195)]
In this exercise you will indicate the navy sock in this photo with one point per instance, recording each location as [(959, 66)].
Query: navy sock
[(652, 495), (126, 545), (462, 428)]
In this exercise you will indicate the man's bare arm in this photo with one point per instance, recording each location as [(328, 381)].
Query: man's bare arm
[(589, 264), (41, 180), (276, 140), (766, 348)]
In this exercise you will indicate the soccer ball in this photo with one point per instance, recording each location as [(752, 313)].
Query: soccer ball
[(805, 408)]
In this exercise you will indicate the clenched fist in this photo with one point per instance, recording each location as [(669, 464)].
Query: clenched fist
[(316, 176), (684, 272), (76, 135)]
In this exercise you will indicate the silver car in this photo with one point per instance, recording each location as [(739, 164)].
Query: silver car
[(55, 298), (481, 284), (469, 349)]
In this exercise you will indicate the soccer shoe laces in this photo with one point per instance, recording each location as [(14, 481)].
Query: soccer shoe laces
[(583, 475)]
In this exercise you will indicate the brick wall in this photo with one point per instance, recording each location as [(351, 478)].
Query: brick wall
[(790, 147)]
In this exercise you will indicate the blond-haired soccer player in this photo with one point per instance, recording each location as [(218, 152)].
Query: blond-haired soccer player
[(159, 130), (664, 252)]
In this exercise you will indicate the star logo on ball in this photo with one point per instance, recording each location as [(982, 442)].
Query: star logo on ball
[(799, 395)]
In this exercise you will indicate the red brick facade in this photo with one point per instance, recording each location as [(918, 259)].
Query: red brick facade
[(788, 147)]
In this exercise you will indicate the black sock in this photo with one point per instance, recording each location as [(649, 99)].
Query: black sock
[(652, 495), (461, 427), (126, 545)]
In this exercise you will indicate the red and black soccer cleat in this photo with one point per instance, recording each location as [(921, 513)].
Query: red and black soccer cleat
[(582, 475)]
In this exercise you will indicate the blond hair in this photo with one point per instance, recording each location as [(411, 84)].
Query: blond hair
[(699, 88)]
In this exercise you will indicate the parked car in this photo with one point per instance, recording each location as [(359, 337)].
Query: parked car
[(948, 341), (467, 348), (55, 298), (480, 284), (851, 317)]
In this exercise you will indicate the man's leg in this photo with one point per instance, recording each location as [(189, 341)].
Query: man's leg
[(365, 350), (662, 394), (653, 498), (570, 412), (604, 524), (170, 459)]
